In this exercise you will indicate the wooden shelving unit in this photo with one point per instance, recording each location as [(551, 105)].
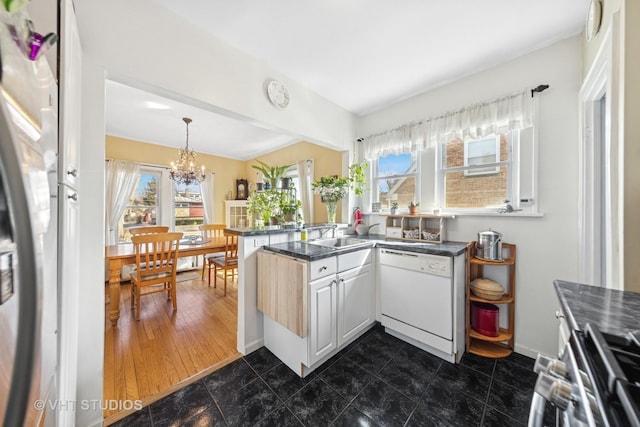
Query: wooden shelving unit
[(424, 228), (503, 344)]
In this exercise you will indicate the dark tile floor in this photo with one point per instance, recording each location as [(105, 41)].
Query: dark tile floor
[(376, 381)]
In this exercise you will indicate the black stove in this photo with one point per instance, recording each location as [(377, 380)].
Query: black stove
[(595, 383), (613, 365)]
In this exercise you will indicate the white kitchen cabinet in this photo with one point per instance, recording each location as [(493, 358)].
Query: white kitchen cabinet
[(356, 295), (322, 318), (340, 305)]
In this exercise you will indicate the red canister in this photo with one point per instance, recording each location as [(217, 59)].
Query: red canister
[(484, 318)]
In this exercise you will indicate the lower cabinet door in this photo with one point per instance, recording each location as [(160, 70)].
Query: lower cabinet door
[(356, 299), (322, 318)]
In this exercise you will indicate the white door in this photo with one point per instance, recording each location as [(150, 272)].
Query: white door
[(322, 318), (356, 296)]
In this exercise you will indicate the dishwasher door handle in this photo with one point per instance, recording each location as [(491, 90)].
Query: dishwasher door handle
[(399, 253)]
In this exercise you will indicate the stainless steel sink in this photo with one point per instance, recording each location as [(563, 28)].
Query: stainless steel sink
[(339, 242)]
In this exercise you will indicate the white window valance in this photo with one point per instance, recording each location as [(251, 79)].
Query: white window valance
[(473, 122)]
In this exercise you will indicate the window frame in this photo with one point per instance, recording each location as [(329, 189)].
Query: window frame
[(496, 156), (146, 170), (522, 159), (374, 177)]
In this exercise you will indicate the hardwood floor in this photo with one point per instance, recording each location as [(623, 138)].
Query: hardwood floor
[(146, 359)]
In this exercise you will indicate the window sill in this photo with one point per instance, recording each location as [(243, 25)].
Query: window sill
[(460, 213), (509, 214)]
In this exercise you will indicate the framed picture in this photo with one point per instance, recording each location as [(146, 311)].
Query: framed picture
[(242, 189)]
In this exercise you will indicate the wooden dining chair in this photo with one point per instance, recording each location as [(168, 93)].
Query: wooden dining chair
[(227, 262), (136, 231), (211, 232), (156, 264)]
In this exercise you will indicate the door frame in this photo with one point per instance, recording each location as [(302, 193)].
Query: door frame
[(597, 188)]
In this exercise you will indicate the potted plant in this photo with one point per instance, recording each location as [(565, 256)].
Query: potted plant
[(413, 207), (394, 208), (333, 188), (263, 205), (289, 209), (273, 175)]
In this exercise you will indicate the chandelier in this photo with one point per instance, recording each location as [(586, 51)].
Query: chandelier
[(184, 171)]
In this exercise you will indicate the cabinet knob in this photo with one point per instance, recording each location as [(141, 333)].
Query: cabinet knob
[(559, 315), (73, 172), (73, 196)]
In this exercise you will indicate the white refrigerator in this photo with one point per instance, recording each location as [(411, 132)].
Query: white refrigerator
[(28, 230)]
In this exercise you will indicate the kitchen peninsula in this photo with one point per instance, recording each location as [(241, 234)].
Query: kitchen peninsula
[(250, 240), (342, 278)]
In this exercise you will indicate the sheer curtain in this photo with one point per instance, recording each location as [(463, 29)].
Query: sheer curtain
[(306, 197), (121, 180), (206, 192), (473, 122)]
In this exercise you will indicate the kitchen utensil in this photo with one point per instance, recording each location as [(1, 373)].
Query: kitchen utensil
[(489, 245)]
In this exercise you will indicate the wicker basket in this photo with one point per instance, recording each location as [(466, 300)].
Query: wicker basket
[(487, 289), (430, 235)]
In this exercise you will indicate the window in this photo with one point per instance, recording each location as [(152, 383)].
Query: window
[(188, 210), (484, 175), (143, 205), (395, 179), (465, 184), (480, 152)]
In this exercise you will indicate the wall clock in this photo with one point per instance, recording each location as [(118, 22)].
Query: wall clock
[(594, 19), (242, 189), (278, 94)]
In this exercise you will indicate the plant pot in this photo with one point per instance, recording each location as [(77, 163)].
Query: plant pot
[(394, 211), (259, 186), (284, 183), (274, 220), (413, 210)]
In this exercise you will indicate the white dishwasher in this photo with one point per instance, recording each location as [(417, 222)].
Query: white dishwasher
[(417, 298)]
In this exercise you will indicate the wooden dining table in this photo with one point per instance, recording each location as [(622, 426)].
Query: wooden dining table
[(124, 254)]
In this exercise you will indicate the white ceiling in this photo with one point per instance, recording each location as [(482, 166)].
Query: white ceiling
[(361, 55)]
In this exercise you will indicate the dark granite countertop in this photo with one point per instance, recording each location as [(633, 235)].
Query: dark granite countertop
[(308, 251), (276, 229), (612, 311)]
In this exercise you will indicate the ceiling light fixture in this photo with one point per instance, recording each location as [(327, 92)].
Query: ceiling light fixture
[(184, 171)]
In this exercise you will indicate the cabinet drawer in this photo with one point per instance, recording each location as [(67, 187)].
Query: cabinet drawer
[(322, 267), (354, 259), (394, 232)]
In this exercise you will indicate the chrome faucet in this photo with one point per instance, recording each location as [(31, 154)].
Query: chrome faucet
[(323, 231)]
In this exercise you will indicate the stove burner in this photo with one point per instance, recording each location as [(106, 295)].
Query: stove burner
[(614, 364)]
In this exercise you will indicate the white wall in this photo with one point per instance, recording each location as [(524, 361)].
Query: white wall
[(142, 44), (546, 247)]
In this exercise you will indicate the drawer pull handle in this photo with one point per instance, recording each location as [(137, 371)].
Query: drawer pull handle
[(73, 172), (323, 268), (559, 315)]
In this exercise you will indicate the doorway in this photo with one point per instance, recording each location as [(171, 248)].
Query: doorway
[(600, 226)]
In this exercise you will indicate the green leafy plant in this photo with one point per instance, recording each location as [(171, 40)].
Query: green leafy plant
[(394, 205), (263, 204), (333, 188), (271, 172), (412, 203)]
